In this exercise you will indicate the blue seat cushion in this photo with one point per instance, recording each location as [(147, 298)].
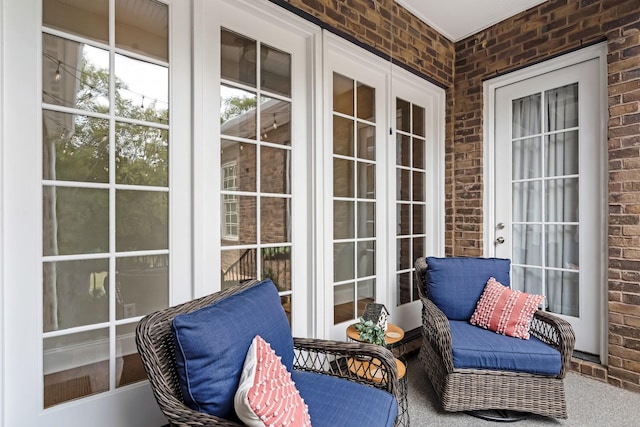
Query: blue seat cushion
[(455, 284), (337, 402), (477, 348), (212, 343)]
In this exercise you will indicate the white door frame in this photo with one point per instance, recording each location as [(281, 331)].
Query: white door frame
[(598, 51), (21, 230)]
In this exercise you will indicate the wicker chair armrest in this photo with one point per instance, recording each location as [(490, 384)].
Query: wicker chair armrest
[(556, 332), (344, 360), (436, 329)]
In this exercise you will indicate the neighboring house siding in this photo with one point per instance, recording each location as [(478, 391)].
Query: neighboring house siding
[(545, 31)]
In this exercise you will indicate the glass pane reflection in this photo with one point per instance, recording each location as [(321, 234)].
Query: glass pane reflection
[(343, 261), (74, 293), (89, 375), (142, 155), (129, 368), (275, 71), (246, 207), (404, 254), (83, 18), (142, 285), (366, 219), (527, 244), (74, 75), (344, 303), (342, 94), (366, 102), (75, 148), (275, 121), (276, 265), (238, 164), (274, 220), (366, 142), (237, 112), (342, 136), (142, 26), (343, 220), (343, 178), (404, 288), (275, 170), (141, 220), (238, 266), (238, 58), (366, 258), (142, 90), (75, 220), (403, 115)]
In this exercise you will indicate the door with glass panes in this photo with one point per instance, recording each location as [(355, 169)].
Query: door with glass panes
[(263, 137)]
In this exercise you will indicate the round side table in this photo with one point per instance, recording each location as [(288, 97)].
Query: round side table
[(393, 336)]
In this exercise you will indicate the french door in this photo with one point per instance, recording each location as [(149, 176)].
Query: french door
[(548, 192)]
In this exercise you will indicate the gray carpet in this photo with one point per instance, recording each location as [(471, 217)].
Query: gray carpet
[(589, 403)]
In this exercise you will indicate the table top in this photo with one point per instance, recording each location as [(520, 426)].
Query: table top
[(370, 369), (392, 335)]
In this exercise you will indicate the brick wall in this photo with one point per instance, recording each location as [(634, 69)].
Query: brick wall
[(548, 30)]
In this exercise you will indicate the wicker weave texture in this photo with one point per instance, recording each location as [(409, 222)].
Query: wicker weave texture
[(156, 346), (471, 389)]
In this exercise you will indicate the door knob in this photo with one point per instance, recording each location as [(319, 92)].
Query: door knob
[(500, 225), (500, 240)]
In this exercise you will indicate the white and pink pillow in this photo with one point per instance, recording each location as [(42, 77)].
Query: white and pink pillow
[(266, 395), (505, 311)]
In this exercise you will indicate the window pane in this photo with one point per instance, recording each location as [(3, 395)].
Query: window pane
[(527, 244), (527, 279), (241, 156), (142, 285), (404, 288), (562, 200), (142, 155), (342, 94), (238, 58), (129, 368), (418, 186), (247, 219), (75, 148), (366, 294), (366, 142), (276, 265), (403, 184), (342, 136), (366, 258), (275, 170), (563, 292), (404, 219), (343, 178), (75, 220), (404, 254), (275, 71), (343, 261), (343, 220), (90, 372), (418, 153), (366, 102), (74, 75), (403, 115), (527, 201), (418, 219), (366, 219), (238, 266), (527, 158), (562, 107), (562, 246), (142, 90), (74, 293), (237, 112), (418, 120), (141, 220), (526, 116), (83, 18), (142, 26), (275, 220), (275, 121), (561, 154), (344, 303), (366, 180), (403, 150)]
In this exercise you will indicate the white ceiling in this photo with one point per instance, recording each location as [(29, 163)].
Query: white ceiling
[(457, 19)]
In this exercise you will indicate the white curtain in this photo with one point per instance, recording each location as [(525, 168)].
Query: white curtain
[(545, 197)]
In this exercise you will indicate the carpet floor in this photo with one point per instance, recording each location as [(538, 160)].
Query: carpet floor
[(590, 403)]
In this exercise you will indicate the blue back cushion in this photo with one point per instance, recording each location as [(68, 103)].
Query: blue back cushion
[(212, 343), (477, 348), (455, 284)]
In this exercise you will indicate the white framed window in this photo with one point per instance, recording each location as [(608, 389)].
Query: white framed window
[(230, 201)]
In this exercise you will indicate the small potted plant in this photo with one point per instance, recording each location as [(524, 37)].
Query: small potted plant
[(370, 332)]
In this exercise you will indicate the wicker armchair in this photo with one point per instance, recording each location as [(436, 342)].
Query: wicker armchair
[(480, 389), (157, 348)]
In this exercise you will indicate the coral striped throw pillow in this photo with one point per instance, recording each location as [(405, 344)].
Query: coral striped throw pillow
[(505, 311), (266, 395)]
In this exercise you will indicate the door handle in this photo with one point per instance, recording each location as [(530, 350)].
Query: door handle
[(500, 225), (500, 240)]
